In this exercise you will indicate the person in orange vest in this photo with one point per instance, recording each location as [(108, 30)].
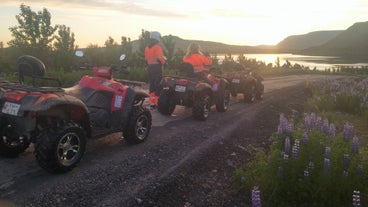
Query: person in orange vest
[(195, 57), (155, 60)]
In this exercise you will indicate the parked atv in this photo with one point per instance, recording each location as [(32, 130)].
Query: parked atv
[(58, 121), (246, 82), (194, 90)]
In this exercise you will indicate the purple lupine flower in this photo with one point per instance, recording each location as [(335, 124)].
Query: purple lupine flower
[(356, 198), (295, 151), (279, 131), (290, 128), (360, 169), (328, 152), (283, 122), (287, 145), (256, 197), (355, 147), (286, 157), (308, 123), (306, 173), (346, 161), (326, 127), (313, 118), (327, 164), (348, 131), (297, 142), (318, 124), (305, 137), (332, 131)]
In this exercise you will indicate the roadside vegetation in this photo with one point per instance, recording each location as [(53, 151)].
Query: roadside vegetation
[(319, 159)]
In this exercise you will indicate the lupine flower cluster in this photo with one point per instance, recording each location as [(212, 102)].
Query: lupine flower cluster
[(256, 197), (349, 95), (314, 156)]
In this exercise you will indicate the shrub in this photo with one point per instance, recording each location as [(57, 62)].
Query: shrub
[(312, 165)]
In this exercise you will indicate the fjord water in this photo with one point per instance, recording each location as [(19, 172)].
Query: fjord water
[(317, 62)]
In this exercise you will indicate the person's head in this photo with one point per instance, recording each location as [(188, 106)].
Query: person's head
[(155, 35), (155, 38), (193, 48)]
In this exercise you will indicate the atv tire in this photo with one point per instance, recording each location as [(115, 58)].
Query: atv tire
[(10, 146), (201, 108), (249, 94), (223, 100), (139, 125), (59, 149), (166, 106), (259, 92)]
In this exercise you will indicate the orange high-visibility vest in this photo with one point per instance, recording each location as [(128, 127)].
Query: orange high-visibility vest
[(199, 62), (154, 55)]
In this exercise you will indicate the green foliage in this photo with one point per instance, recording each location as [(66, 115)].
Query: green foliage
[(284, 183), (304, 178), (34, 33)]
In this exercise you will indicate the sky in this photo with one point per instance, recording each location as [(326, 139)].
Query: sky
[(235, 22)]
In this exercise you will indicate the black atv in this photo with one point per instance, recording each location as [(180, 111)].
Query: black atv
[(58, 121), (246, 82), (194, 90)]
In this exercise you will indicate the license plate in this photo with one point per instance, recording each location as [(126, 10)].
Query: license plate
[(236, 81), (180, 88), (11, 108)]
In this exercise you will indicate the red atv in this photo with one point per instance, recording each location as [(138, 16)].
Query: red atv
[(246, 82), (58, 121), (194, 90)]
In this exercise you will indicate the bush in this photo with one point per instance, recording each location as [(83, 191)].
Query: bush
[(311, 165)]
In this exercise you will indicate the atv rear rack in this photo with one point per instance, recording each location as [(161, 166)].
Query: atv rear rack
[(32, 88)]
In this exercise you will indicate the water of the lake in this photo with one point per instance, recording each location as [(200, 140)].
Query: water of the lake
[(318, 62)]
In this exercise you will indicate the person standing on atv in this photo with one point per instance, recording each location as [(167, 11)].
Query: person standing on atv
[(200, 61), (155, 60)]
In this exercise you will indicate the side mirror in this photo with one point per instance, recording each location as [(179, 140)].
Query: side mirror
[(122, 57), (79, 53)]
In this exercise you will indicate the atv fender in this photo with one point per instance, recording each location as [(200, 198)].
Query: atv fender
[(140, 96), (131, 98), (64, 108)]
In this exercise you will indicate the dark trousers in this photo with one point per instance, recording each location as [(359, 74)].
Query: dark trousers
[(155, 77)]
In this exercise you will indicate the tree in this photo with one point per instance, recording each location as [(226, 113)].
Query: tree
[(34, 32), (64, 48), (143, 42), (169, 49)]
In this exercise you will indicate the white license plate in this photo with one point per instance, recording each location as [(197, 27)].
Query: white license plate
[(236, 81), (11, 108), (180, 88)]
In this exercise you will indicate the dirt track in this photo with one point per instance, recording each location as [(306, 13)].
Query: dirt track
[(184, 162)]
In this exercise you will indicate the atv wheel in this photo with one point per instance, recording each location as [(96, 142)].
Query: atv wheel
[(223, 100), (249, 94), (139, 125), (201, 108), (10, 143), (259, 92), (234, 90), (166, 106), (59, 149)]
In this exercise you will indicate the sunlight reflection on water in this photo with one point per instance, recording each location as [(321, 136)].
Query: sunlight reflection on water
[(318, 62)]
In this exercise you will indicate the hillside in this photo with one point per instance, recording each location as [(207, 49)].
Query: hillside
[(216, 47), (312, 39), (351, 43)]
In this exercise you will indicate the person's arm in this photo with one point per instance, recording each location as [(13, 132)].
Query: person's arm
[(160, 54)]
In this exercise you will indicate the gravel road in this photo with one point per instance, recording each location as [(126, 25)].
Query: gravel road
[(184, 162)]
